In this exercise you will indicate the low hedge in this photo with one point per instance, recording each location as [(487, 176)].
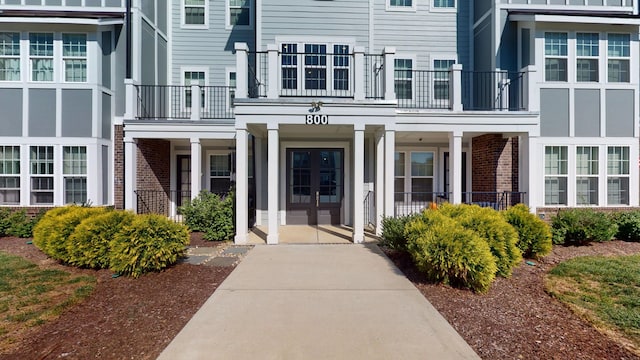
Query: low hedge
[(582, 226), (628, 225), (17, 223), (534, 235), (393, 231)]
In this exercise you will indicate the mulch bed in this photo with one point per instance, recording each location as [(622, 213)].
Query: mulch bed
[(517, 319), (124, 318)]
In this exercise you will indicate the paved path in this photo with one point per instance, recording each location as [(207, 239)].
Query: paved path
[(317, 302)]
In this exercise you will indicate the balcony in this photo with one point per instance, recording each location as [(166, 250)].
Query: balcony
[(174, 102)]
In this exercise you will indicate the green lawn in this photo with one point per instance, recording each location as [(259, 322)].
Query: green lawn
[(606, 290), (30, 296)]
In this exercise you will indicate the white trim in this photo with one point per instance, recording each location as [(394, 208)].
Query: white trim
[(183, 14), (539, 18)]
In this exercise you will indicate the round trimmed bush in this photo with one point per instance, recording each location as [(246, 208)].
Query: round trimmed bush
[(150, 243), (628, 225), (447, 252), (88, 245), (534, 235)]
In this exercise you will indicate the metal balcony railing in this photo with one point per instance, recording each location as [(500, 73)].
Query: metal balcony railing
[(422, 89), (374, 76), (493, 90), (165, 102), (407, 203)]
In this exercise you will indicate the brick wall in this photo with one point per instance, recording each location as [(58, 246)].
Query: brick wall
[(118, 163), (153, 165), (495, 164)]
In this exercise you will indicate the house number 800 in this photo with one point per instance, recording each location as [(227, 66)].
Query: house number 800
[(317, 119)]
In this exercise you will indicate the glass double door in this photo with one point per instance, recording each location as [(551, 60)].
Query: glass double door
[(315, 186)]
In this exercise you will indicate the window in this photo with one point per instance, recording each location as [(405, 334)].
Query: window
[(341, 67), (403, 79), (555, 51), (194, 78), (74, 57), (315, 67), (401, 3), (398, 185), (41, 170), (555, 170), (74, 169), (194, 12), (444, 3), (10, 175), (587, 175), (421, 176), (232, 87), (618, 175), (289, 61), (239, 13), (441, 79), (587, 52), (41, 56), (9, 56), (618, 52), (220, 173)]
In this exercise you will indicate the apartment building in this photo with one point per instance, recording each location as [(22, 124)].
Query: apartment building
[(319, 112)]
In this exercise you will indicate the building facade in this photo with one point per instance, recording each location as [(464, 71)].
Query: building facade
[(320, 112)]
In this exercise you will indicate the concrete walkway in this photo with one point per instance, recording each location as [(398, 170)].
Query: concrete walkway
[(317, 302)]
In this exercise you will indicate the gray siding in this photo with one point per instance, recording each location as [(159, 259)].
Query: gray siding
[(554, 112), (162, 61), (105, 174), (587, 112), (148, 55), (482, 42), (11, 105), (525, 39), (106, 59), (42, 112), (620, 110), (508, 48), (161, 21), (480, 7), (106, 116), (120, 70), (149, 9), (76, 113)]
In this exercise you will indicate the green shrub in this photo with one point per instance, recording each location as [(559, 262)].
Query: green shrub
[(489, 225), (582, 226), (534, 235), (393, 231), (447, 252), (4, 222), (21, 225), (212, 215), (89, 244), (52, 232), (628, 225), (150, 243)]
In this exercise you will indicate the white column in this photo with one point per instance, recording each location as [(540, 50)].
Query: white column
[(273, 195), (242, 70), (242, 187), (531, 89), (196, 167), (389, 73), (455, 87), (196, 105), (129, 173), (131, 100), (358, 86), (379, 186), (272, 81), (535, 175), (455, 166), (389, 173), (358, 183), (257, 173)]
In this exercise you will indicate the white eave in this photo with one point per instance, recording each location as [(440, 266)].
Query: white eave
[(62, 20), (548, 18)]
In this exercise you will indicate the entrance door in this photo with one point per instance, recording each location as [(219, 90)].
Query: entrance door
[(315, 186), (447, 186), (184, 179)]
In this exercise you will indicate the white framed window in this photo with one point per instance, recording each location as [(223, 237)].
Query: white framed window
[(220, 172), (238, 14), (341, 66), (74, 57), (422, 165), (587, 175), (398, 185), (41, 56), (441, 78), (194, 77), (9, 56), (289, 66), (587, 57), (10, 175), (555, 175), (443, 5), (315, 66), (618, 175), (618, 58), (401, 5), (231, 83), (403, 78), (194, 13), (74, 170), (41, 171), (555, 53)]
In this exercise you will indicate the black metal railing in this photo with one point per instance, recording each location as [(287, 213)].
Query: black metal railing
[(161, 202), (493, 90), (370, 209), (316, 75), (422, 89), (161, 102), (374, 76), (258, 74), (407, 203), (498, 200)]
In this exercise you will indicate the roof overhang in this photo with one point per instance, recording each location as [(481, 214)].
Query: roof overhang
[(61, 17), (573, 17)]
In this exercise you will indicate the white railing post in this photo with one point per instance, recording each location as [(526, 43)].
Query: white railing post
[(131, 101), (242, 70), (531, 91), (504, 93), (272, 77), (389, 73), (455, 87), (195, 102), (358, 73)]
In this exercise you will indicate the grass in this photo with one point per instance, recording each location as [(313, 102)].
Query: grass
[(604, 290), (31, 296)]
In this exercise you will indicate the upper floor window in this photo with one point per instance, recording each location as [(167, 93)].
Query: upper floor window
[(194, 78), (401, 5), (618, 52), (441, 78), (74, 57), (194, 12), (404, 79), (444, 3), (41, 56), (9, 56), (315, 66), (555, 51), (587, 53), (239, 13), (341, 67), (289, 63)]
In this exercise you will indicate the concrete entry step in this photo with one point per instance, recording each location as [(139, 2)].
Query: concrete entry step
[(309, 234)]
